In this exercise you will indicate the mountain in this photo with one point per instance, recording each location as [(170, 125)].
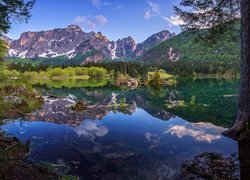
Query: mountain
[(188, 46), (152, 41), (6, 39), (71, 42)]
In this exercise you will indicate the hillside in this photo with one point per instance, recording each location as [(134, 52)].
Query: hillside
[(187, 46)]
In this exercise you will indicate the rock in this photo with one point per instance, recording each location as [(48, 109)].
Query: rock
[(165, 172), (13, 100), (72, 41), (152, 41), (122, 155), (79, 106), (164, 115), (132, 83)]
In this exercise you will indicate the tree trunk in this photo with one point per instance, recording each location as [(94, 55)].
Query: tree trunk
[(243, 116), (244, 159)]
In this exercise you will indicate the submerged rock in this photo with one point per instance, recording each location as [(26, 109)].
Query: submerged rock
[(165, 172), (13, 100), (122, 155)]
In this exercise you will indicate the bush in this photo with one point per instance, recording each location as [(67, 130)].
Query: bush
[(156, 80), (96, 72)]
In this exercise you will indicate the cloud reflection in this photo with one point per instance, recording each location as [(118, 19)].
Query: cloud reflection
[(196, 131), (91, 130)]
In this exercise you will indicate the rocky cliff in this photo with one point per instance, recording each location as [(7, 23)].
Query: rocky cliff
[(72, 41)]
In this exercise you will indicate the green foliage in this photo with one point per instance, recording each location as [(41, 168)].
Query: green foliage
[(14, 9), (193, 49), (121, 105), (213, 15), (193, 100), (29, 100), (79, 106), (67, 73), (203, 69), (3, 49), (97, 72), (156, 81), (132, 69), (2, 69), (162, 73)]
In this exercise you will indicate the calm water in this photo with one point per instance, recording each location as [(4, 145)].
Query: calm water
[(150, 141)]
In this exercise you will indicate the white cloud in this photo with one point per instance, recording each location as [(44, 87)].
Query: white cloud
[(174, 20), (90, 22), (100, 20), (152, 11)]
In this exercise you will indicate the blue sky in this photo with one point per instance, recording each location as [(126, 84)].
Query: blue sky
[(114, 18)]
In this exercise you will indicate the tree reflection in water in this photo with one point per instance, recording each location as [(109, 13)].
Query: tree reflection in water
[(215, 166), (244, 158)]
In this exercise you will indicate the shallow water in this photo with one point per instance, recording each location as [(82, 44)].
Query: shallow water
[(145, 143)]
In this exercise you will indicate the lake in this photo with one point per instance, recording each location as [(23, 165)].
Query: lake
[(148, 138)]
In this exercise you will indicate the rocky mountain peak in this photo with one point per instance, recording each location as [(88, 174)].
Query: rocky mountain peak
[(72, 41), (125, 47), (74, 27), (152, 41), (102, 37)]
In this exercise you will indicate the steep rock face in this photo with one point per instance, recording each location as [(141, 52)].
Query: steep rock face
[(95, 58), (152, 41), (125, 47), (52, 43), (72, 41)]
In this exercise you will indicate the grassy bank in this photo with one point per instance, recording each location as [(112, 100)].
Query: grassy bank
[(17, 99)]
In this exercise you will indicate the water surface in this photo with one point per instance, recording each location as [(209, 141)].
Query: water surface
[(150, 141)]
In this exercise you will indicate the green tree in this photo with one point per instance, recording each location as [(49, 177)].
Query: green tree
[(17, 10), (214, 14), (14, 10), (156, 80)]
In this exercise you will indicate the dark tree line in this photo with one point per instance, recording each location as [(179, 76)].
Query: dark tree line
[(23, 67), (186, 68), (129, 68)]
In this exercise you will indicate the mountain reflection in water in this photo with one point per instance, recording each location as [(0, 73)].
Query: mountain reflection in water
[(120, 145)]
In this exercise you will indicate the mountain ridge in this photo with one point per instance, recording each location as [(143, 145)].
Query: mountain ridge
[(72, 41), (188, 46)]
